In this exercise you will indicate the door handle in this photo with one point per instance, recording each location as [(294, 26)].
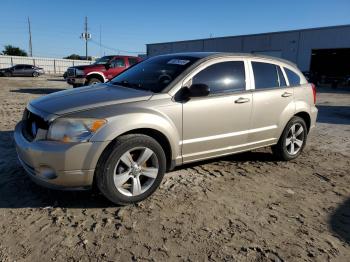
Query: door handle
[(242, 100), (286, 94)]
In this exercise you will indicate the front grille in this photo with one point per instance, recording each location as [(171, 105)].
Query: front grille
[(70, 72), (32, 123)]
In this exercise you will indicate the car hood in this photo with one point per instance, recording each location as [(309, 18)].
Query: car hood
[(82, 67), (83, 98)]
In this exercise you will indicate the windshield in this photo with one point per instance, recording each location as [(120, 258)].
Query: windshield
[(103, 60), (154, 74)]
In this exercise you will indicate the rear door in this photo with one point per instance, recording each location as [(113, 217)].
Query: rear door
[(272, 102), (217, 124)]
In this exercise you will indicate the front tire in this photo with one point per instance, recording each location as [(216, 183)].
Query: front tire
[(131, 169), (93, 81), (35, 74), (7, 74), (292, 141)]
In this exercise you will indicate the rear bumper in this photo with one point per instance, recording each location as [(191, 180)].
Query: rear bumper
[(56, 165), (313, 116)]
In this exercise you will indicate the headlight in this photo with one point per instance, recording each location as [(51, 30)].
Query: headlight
[(74, 129), (79, 72)]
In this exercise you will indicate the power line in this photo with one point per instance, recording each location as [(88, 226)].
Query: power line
[(100, 41), (115, 49)]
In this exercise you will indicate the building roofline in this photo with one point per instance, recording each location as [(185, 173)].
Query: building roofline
[(258, 34)]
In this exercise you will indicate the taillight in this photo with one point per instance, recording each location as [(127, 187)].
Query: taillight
[(314, 92)]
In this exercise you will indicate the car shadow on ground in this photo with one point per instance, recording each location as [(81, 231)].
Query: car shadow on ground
[(18, 191), (340, 221), (333, 114), (263, 155), (56, 79), (37, 91)]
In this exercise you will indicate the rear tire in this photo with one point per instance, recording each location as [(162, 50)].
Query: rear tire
[(93, 81), (292, 141), (124, 176)]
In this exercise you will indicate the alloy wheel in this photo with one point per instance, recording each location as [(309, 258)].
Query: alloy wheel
[(295, 139), (136, 171)]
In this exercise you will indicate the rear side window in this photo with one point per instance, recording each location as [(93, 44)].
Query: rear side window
[(222, 77), (265, 75), (132, 61), (294, 78)]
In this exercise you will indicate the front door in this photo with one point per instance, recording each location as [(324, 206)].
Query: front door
[(117, 66), (216, 124), (28, 70)]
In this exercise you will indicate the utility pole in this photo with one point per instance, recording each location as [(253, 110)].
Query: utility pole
[(86, 36), (100, 41), (30, 39)]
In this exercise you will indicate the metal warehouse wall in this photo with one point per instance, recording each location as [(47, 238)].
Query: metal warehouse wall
[(295, 46), (50, 65)]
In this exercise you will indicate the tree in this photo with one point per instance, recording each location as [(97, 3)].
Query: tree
[(77, 57), (73, 57), (13, 50)]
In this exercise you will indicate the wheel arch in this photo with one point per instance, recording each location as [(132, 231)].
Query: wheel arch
[(306, 117), (157, 135), (97, 75)]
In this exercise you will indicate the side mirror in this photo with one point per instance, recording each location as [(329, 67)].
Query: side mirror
[(108, 65), (198, 90)]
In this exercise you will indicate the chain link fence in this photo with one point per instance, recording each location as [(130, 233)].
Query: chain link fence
[(50, 65)]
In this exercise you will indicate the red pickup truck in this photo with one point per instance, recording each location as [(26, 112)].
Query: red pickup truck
[(104, 69)]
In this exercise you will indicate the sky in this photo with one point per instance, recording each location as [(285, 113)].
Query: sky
[(127, 26)]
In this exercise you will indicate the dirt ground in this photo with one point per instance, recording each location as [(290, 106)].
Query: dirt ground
[(245, 207)]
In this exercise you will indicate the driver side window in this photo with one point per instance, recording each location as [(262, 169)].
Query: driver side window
[(223, 77), (118, 62)]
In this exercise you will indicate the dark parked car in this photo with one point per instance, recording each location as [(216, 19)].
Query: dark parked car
[(22, 70)]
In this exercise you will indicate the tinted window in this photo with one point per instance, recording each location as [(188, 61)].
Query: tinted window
[(28, 67), (118, 62), (103, 60), (155, 73), (281, 79), (18, 67), (265, 75), (222, 77), (293, 78), (132, 61)]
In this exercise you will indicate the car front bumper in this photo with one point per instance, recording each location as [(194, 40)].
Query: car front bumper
[(68, 166), (76, 80)]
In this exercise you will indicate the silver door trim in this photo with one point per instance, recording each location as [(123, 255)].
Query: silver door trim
[(203, 139)]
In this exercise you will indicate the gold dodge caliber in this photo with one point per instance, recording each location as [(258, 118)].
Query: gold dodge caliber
[(163, 112)]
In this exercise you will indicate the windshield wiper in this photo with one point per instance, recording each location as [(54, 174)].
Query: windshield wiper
[(122, 83), (125, 83)]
